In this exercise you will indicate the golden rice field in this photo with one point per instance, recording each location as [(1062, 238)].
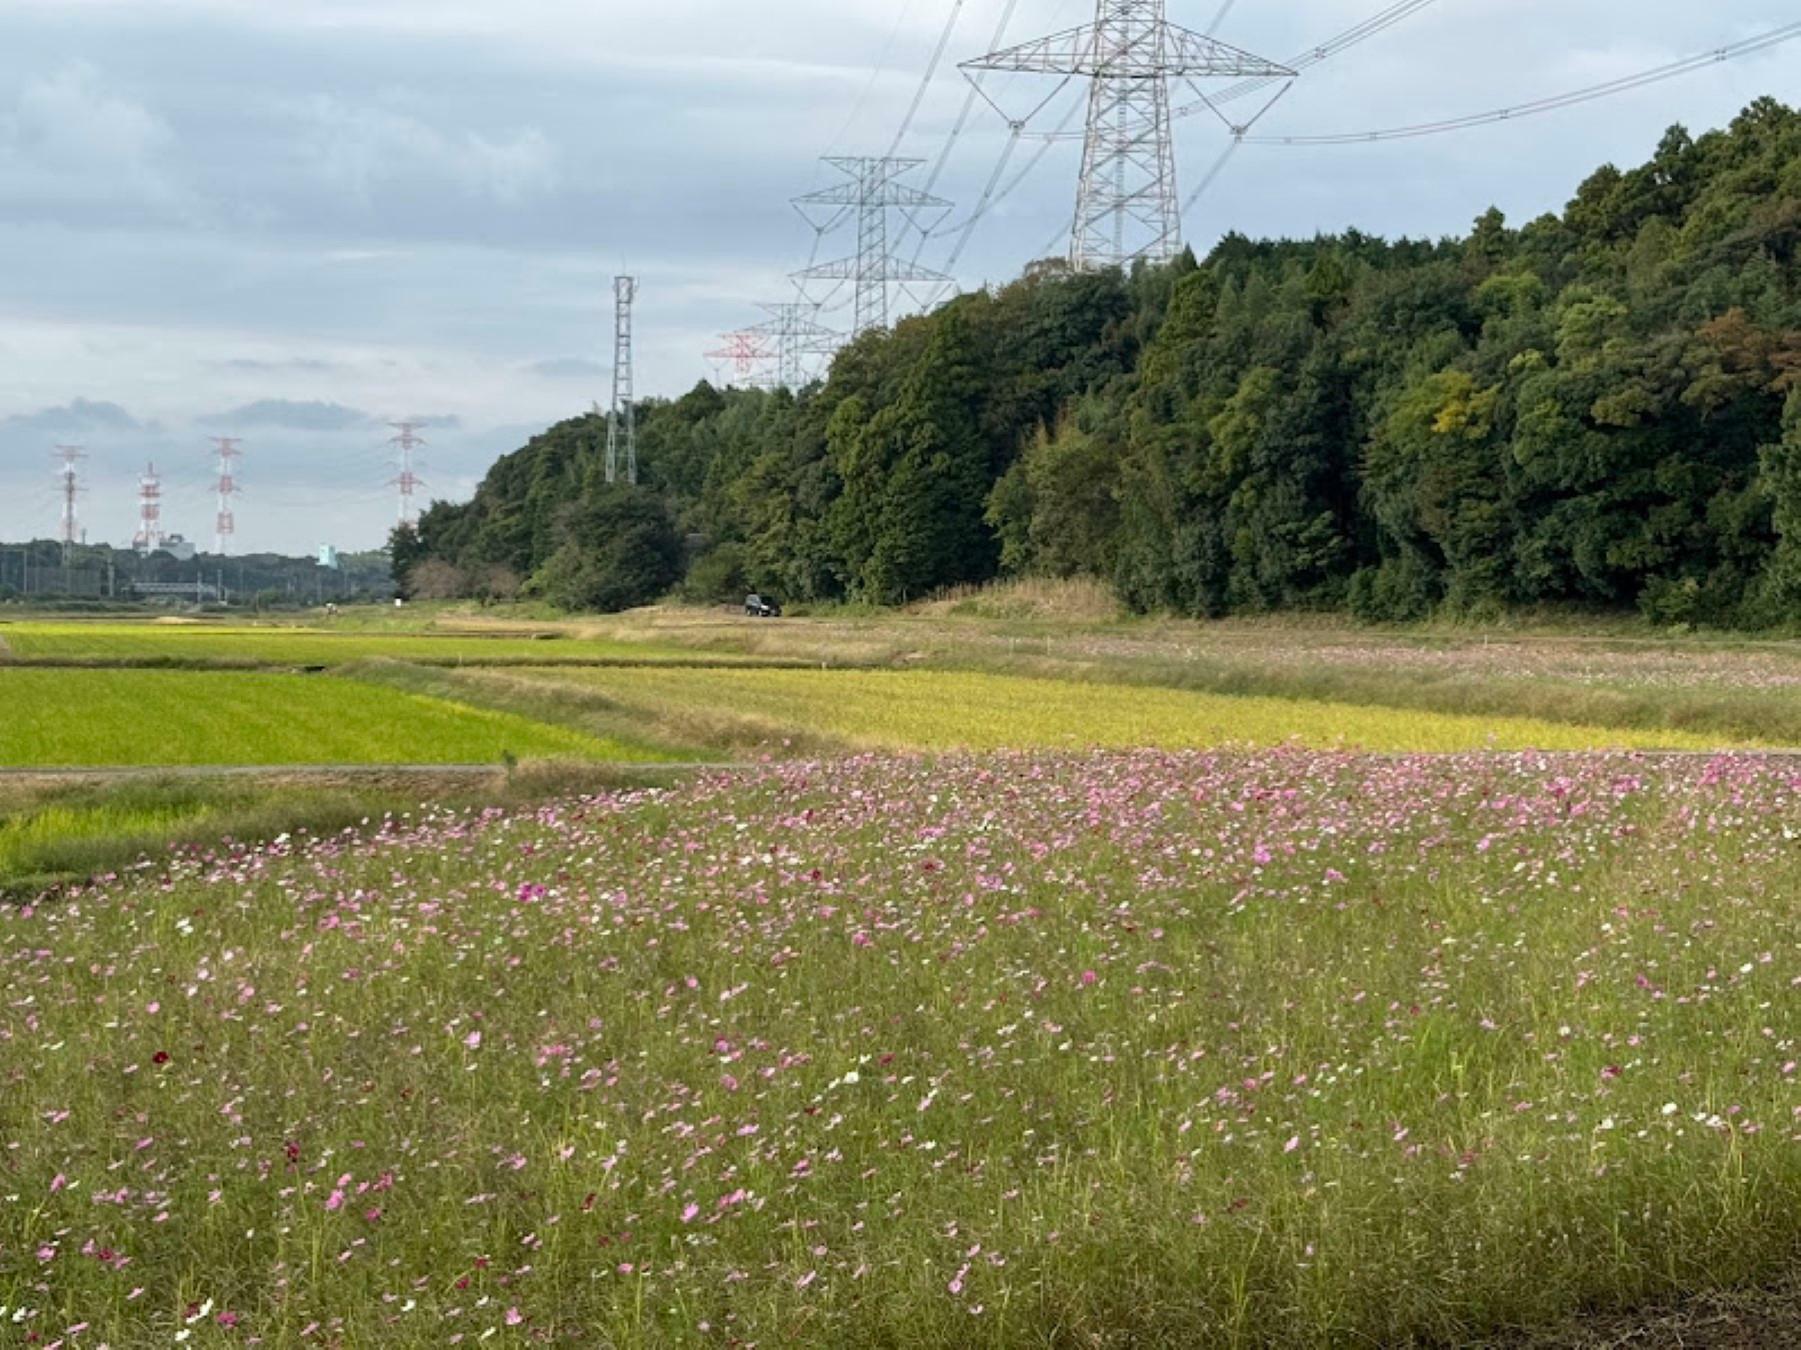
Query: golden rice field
[(953, 710)]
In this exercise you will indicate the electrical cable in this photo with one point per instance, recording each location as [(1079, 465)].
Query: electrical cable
[(1775, 38), (925, 84), (1313, 56)]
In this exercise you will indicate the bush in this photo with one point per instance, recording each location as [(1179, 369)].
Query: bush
[(717, 576)]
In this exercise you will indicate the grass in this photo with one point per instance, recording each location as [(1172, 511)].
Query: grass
[(941, 710), (1048, 1050), (68, 718), (58, 834)]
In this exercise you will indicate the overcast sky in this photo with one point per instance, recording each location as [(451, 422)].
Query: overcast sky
[(296, 220)]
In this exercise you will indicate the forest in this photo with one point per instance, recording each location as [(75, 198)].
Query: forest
[(1599, 409)]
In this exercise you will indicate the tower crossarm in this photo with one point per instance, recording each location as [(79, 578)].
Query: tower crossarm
[(1158, 50), (889, 269)]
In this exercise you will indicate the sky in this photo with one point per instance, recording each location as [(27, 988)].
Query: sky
[(298, 221)]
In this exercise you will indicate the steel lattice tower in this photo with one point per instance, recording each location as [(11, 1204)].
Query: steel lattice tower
[(752, 358), (71, 457), (230, 452), (872, 193), (408, 442), (798, 335), (149, 537), (622, 421), (1127, 206)]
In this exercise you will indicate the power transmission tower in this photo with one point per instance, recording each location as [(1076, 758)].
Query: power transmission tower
[(751, 357), (230, 452), (798, 336), (149, 537), (1127, 206), (408, 443), (71, 457), (873, 192), (622, 422)]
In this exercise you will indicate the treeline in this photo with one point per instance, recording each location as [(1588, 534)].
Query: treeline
[(100, 576), (1601, 408)]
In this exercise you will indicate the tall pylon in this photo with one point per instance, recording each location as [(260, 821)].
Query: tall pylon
[(872, 192), (70, 473), (149, 537), (407, 443), (751, 357), (622, 421), (1127, 206), (799, 338), (230, 450)]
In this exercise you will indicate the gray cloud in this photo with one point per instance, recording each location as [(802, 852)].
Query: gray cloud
[(567, 368), (292, 416), (76, 418)]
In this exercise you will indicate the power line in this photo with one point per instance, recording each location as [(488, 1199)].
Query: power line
[(1313, 56), (925, 84), (1776, 38)]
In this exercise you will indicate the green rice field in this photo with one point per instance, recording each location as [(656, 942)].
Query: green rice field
[(70, 718), (211, 644)]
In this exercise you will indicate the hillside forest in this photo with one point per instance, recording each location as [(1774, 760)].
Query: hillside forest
[(1598, 409)]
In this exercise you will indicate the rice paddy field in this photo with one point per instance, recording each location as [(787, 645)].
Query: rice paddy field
[(964, 710), (1101, 1049), (209, 644), (72, 717)]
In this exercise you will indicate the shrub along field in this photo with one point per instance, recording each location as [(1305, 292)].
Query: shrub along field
[(167, 717), (1138, 1049), (947, 710)]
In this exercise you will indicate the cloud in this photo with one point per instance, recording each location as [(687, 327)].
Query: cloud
[(566, 368), (299, 365), (71, 141), (80, 417), (291, 416), (437, 422), (360, 149)]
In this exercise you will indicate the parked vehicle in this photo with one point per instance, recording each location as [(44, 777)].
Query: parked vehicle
[(761, 607)]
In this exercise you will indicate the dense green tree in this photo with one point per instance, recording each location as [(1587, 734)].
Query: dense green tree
[(1585, 409)]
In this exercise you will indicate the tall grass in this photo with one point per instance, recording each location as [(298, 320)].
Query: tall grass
[(1142, 1050)]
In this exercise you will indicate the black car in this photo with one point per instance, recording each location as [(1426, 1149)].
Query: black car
[(757, 607)]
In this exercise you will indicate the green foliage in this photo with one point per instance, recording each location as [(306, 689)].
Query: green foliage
[(1584, 410), (619, 550)]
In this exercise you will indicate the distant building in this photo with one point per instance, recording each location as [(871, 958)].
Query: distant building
[(328, 557), (179, 549)]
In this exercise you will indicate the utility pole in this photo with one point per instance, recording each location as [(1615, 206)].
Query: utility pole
[(71, 457), (798, 335), (407, 443), (230, 452), (149, 537), (1127, 207), (622, 421), (872, 192)]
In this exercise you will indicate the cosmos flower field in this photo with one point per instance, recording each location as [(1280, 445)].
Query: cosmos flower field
[(1034, 1049)]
